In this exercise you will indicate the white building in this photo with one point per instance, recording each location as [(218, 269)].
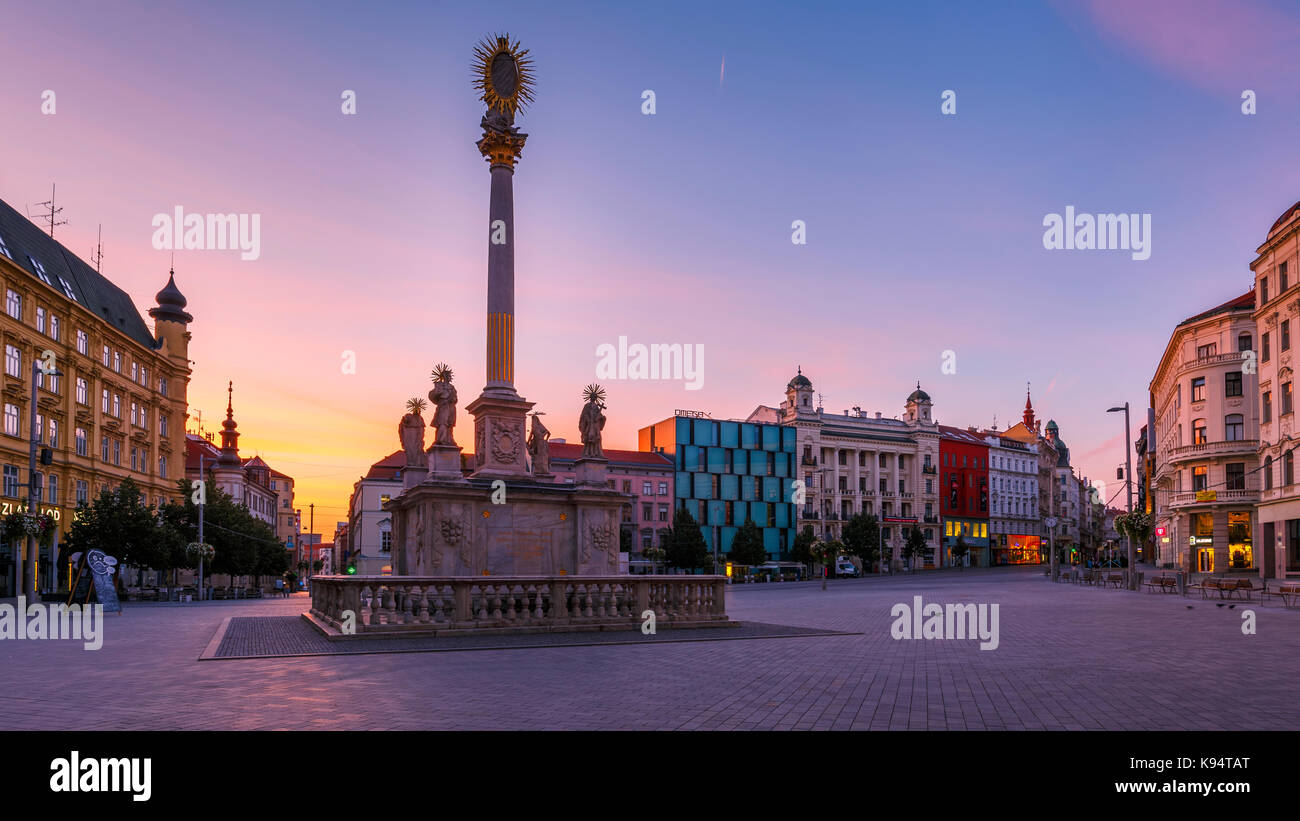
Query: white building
[(855, 463), (370, 527), (1013, 488)]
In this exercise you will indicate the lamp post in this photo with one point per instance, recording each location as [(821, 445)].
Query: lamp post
[(1128, 484), (27, 573), (1050, 521)]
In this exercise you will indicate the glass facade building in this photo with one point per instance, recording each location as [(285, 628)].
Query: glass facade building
[(728, 472)]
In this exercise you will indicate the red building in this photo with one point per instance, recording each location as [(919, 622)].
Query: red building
[(964, 492)]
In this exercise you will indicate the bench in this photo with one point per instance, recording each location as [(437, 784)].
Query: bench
[(1164, 584), (1115, 580), (1288, 593)]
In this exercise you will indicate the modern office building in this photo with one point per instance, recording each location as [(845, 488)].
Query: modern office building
[(1207, 439), (116, 406), (728, 472)]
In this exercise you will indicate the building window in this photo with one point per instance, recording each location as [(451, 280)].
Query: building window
[(1263, 290), (4, 249), (385, 541), (54, 327), (135, 459), (13, 361), (646, 489), (40, 319), (1267, 405), (1236, 476), (645, 513), (117, 361), (11, 419), (1232, 427), (104, 403), (663, 513), (162, 424), (54, 490), (83, 492), (1200, 477), (54, 433), (1232, 384), (135, 414), (105, 356), (663, 488), (1286, 398), (13, 304), (162, 472), (103, 451), (1198, 432), (11, 480), (82, 392), (83, 342), (162, 386), (81, 441), (1263, 354), (1288, 468), (1198, 389), (135, 372), (1206, 351), (1268, 473), (1285, 342), (117, 452), (117, 405)]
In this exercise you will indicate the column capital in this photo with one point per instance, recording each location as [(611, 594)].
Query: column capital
[(502, 148)]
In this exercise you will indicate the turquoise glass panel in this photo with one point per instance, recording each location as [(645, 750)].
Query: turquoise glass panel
[(730, 435)]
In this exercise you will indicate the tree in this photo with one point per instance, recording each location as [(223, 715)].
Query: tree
[(827, 553), (747, 548), (244, 545), (915, 546), (118, 523), (686, 548), (802, 550), (862, 538), (959, 550)]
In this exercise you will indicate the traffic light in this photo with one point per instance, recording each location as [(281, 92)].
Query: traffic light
[(352, 568), (47, 456)]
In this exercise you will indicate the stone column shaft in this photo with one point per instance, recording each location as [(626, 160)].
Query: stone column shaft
[(501, 282)]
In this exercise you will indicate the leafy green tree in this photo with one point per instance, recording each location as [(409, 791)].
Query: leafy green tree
[(802, 551), (686, 548), (959, 550), (862, 538), (747, 547), (118, 523), (915, 545)]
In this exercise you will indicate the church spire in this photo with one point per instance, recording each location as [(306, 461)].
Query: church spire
[(229, 432), (1029, 409)]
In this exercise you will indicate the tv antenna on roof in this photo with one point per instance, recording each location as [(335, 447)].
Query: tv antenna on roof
[(98, 254), (52, 216)]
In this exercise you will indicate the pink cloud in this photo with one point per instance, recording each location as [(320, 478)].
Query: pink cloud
[(1216, 45)]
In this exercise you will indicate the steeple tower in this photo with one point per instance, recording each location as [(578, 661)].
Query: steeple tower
[(229, 433), (1029, 409)]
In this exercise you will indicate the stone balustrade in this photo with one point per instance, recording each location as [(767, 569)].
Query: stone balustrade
[(440, 605)]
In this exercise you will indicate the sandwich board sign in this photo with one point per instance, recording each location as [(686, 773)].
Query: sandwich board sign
[(95, 571)]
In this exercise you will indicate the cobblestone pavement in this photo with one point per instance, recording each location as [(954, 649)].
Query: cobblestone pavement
[(1069, 658)]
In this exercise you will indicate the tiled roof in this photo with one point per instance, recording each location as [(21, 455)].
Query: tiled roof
[(960, 435), (69, 276), (568, 453), (1245, 302)]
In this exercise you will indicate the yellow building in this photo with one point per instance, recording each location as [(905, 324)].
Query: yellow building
[(115, 404)]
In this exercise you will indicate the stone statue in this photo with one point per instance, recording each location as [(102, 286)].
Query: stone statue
[(444, 398), (539, 446), (410, 432), (592, 421)]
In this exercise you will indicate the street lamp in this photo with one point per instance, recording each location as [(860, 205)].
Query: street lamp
[(1128, 484), (1050, 521)]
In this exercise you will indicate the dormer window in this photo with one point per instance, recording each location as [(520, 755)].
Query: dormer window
[(4, 249), (39, 269), (67, 290)]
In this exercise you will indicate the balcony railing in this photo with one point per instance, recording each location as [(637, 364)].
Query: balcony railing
[(457, 605), (1220, 495), (931, 469), (1205, 449)]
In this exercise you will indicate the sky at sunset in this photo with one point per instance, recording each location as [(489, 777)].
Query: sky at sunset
[(924, 231)]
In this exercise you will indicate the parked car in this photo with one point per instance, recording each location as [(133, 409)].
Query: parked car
[(844, 567)]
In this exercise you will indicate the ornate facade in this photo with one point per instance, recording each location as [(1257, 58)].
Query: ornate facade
[(116, 406)]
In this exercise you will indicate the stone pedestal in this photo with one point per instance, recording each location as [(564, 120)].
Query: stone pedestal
[(413, 475), (444, 463), (452, 528), (591, 471), (500, 450)]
